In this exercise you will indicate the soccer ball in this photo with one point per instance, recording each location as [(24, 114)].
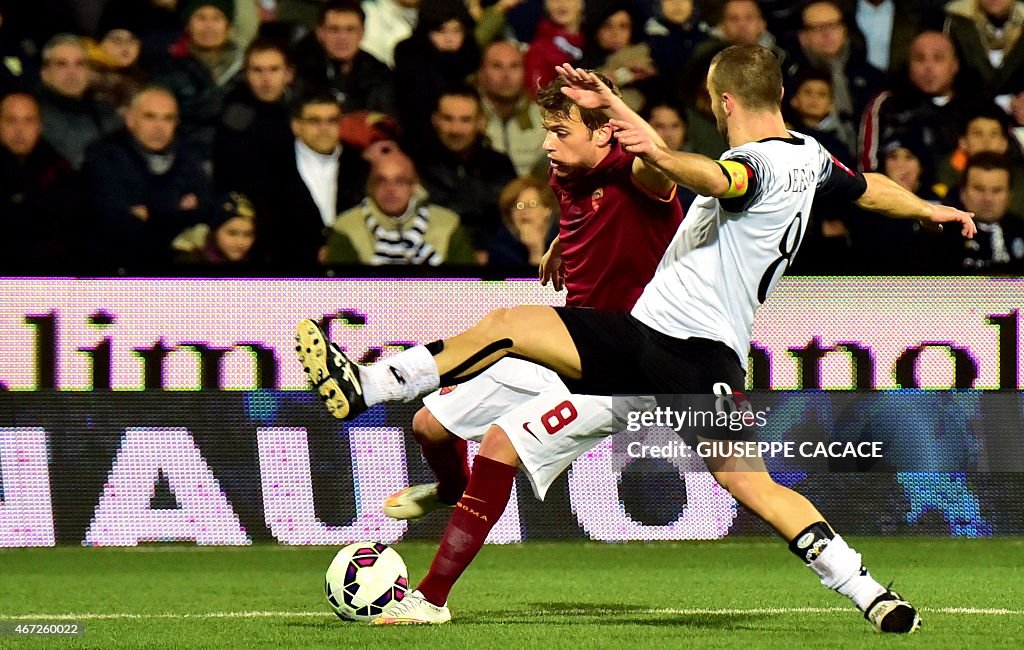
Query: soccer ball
[(364, 580)]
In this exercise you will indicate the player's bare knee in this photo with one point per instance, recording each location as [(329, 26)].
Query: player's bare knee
[(498, 447), (494, 325), (749, 488), (427, 430)]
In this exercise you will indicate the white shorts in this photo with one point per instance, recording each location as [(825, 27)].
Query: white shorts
[(548, 426)]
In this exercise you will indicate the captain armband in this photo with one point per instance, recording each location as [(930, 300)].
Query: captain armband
[(739, 178)]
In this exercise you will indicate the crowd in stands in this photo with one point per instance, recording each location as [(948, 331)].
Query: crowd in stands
[(292, 136)]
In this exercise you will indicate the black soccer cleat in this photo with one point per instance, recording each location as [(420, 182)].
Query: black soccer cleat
[(333, 375), (891, 614)]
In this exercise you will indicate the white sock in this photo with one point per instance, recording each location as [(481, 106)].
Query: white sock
[(400, 378), (840, 568)]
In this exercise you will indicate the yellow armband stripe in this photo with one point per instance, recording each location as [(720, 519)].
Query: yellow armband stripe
[(739, 178)]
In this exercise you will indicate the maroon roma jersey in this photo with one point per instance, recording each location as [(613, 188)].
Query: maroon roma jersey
[(613, 233)]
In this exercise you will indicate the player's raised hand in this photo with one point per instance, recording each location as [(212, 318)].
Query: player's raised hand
[(944, 214), (585, 88)]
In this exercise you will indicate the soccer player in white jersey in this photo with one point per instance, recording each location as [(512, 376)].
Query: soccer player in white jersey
[(690, 329)]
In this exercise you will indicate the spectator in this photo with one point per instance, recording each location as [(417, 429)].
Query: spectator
[(669, 120), (998, 246), (812, 111), (529, 213), (558, 40), (673, 35), (146, 189), (439, 55), (987, 37), (887, 27), (255, 121), (986, 128), (331, 58), (300, 191), (201, 66), (38, 193), (825, 45), (459, 170), (395, 224), (514, 123), (17, 55), (160, 26), (228, 239), (72, 118), (613, 45), (930, 100), (388, 23), (896, 246), (114, 57)]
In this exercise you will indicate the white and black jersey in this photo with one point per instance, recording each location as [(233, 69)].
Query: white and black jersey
[(730, 252)]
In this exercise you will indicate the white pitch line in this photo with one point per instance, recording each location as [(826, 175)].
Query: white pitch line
[(969, 611)]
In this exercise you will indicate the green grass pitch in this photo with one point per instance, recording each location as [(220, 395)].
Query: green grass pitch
[(740, 593)]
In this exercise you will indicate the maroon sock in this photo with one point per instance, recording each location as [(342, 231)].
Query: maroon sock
[(451, 467), (490, 486)]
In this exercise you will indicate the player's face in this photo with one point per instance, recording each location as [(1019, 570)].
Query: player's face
[(984, 134), (986, 193), (933, 64), (501, 72), (66, 71), (152, 119), (457, 122), (904, 168), (571, 147), (208, 28), (235, 238), (340, 35), (317, 127), (718, 108), (268, 75), (742, 23), (669, 125), (20, 125)]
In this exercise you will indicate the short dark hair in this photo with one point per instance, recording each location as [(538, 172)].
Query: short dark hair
[(268, 44), (552, 100), (460, 90), (315, 97), (987, 161), (986, 111), (809, 73), (340, 6), (835, 5), (663, 102), (751, 74)]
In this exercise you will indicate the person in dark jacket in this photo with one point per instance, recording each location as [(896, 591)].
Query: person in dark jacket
[(39, 198), (255, 120), (300, 191), (440, 55), (459, 170), (330, 57), (146, 188)]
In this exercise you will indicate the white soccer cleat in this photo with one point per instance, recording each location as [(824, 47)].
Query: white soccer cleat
[(414, 610), (414, 502), (891, 614)]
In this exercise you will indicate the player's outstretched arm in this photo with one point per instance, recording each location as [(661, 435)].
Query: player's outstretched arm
[(588, 91), (886, 196), (699, 173)]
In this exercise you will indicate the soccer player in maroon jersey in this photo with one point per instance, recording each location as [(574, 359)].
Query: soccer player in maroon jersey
[(617, 217)]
